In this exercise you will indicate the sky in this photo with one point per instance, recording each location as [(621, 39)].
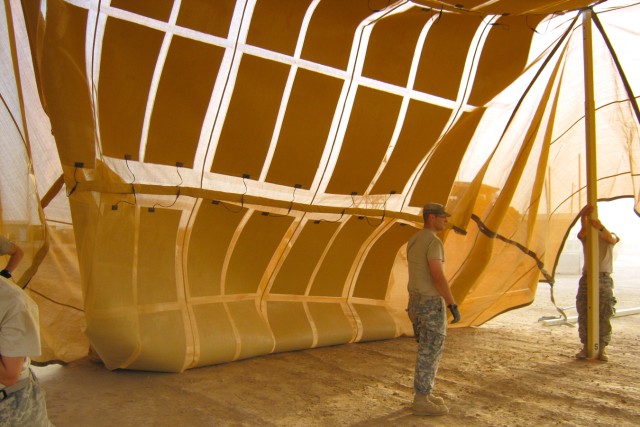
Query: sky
[(618, 216)]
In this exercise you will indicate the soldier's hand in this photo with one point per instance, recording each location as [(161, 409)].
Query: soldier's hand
[(455, 312)]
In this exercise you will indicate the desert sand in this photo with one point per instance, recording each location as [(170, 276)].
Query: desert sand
[(511, 371)]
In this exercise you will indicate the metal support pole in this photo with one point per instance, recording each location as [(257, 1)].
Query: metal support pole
[(591, 261)]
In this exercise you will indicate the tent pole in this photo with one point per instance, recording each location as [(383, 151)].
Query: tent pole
[(591, 261)]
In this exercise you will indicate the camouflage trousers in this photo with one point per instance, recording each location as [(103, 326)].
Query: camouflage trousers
[(25, 407), (607, 309), (429, 324)]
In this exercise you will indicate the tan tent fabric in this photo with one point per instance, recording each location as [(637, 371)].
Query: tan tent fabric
[(201, 182)]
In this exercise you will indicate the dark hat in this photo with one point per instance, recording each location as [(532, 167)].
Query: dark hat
[(434, 208)]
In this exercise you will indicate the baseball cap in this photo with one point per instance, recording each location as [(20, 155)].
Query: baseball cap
[(434, 208)]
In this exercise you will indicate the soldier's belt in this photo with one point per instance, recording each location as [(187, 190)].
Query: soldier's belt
[(423, 298), (8, 391)]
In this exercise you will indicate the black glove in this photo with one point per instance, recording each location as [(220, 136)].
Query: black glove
[(454, 311), (5, 273)]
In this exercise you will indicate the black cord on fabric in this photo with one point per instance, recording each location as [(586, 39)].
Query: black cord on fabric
[(353, 202), (224, 205), (377, 10), (75, 182), (153, 208), (265, 213), (492, 234), (133, 189), (384, 211), (114, 207), (318, 221), (245, 190), (369, 221), (551, 17), (52, 300), (439, 16), (504, 27), (155, 205), (293, 198)]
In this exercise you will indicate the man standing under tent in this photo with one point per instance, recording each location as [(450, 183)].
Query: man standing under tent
[(22, 401), (429, 293), (606, 242)]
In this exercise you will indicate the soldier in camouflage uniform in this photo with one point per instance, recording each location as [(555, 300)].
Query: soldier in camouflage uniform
[(429, 293), (606, 242), (21, 398)]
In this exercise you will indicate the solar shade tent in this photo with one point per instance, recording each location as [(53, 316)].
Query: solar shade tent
[(197, 182)]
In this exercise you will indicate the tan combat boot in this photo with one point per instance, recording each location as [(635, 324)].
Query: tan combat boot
[(603, 355), (422, 405), (582, 354), (435, 399)]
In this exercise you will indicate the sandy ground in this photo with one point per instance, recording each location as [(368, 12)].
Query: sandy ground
[(512, 371)]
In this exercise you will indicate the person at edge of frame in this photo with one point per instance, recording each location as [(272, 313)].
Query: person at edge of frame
[(22, 400), (607, 302)]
